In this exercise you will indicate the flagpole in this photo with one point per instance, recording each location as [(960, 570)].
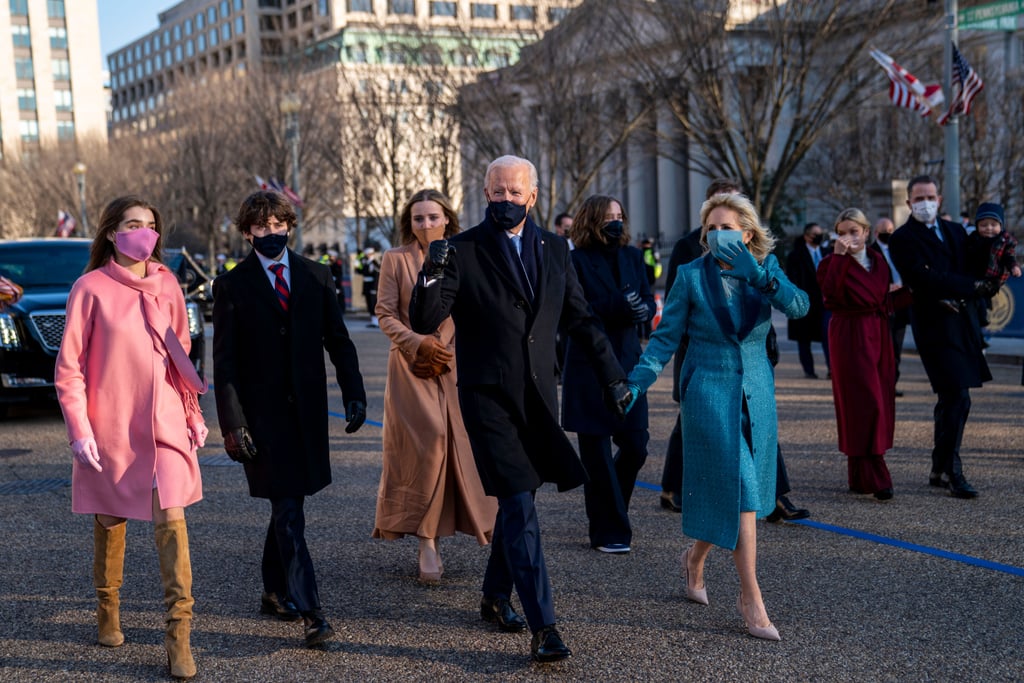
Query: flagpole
[(951, 167)]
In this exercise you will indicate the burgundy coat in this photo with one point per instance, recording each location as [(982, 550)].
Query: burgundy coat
[(863, 366)]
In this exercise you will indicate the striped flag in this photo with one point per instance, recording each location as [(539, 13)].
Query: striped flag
[(65, 224), (970, 84), (905, 90), (262, 183)]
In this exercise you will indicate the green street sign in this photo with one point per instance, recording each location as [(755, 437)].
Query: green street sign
[(995, 15)]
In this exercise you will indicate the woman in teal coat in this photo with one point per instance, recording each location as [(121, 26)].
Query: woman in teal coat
[(723, 301)]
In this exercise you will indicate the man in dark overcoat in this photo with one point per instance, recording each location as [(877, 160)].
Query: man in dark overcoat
[(801, 269), (507, 301), (929, 254), (273, 316)]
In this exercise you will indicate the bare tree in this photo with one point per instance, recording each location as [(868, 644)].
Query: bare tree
[(755, 86)]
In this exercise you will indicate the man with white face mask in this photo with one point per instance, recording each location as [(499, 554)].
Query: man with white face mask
[(929, 254)]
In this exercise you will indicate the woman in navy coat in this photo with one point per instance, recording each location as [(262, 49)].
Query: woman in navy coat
[(723, 300), (616, 287)]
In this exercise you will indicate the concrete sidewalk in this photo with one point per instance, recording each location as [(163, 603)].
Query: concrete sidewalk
[(922, 588)]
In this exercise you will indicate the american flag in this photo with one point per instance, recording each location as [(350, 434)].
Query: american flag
[(65, 224), (904, 88), (970, 85)]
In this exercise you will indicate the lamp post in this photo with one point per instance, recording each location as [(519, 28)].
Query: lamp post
[(290, 105), (79, 170)]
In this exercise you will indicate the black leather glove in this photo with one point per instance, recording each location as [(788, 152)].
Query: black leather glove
[(238, 443), (355, 415), (619, 397), (636, 305), (987, 288), (438, 255)]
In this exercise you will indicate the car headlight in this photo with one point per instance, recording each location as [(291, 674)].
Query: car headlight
[(195, 319), (9, 338)]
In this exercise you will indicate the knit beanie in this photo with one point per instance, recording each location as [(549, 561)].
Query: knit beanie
[(989, 210)]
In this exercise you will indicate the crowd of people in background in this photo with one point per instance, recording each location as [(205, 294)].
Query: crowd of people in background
[(483, 325)]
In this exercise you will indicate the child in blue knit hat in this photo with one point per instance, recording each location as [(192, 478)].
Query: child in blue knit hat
[(991, 251)]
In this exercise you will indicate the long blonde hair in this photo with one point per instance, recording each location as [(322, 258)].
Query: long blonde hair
[(761, 241)]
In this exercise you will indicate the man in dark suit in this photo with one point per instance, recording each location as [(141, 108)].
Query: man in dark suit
[(900, 295), (507, 284), (801, 269), (273, 316), (928, 252)]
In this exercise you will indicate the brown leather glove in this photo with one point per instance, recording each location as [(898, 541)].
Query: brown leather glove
[(432, 358)]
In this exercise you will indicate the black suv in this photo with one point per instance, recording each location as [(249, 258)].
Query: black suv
[(32, 329)]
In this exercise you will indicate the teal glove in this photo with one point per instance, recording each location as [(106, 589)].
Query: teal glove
[(744, 265), (634, 394)]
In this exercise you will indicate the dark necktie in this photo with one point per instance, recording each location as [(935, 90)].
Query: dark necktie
[(517, 246), (280, 285)]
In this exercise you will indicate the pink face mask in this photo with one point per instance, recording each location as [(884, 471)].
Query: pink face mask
[(136, 244)]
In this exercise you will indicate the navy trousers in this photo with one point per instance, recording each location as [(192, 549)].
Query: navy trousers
[(951, 413), (287, 566), (610, 482), (517, 560)]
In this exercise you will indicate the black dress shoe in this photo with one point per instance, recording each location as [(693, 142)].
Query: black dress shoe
[(499, 611), (785, 511), (959, 488), (936, 479), (317, 630), (671, 500), (271, 604), (884, 494), (547, 645)]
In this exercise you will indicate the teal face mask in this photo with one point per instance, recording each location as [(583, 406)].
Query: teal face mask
[(720, 238)]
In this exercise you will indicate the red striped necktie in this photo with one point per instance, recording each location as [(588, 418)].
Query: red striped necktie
[(280, 285)]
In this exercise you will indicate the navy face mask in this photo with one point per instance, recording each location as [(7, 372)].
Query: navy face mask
[(270, 245), (506, 215), (612, 230)]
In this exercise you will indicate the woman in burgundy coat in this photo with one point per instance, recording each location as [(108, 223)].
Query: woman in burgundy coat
[(855, 285)]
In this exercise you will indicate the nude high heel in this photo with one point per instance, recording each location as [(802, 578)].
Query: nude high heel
[(768, 632), (697, 595), (431, 568)]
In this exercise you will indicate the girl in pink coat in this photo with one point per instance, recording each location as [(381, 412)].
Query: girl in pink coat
[(129, 397)]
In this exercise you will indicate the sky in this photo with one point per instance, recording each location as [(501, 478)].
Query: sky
[(122, 21)]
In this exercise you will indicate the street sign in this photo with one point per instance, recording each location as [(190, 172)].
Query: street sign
[(999, 15)]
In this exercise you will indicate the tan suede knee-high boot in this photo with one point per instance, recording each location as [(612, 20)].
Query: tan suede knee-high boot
[(107, 574), (176, 575)]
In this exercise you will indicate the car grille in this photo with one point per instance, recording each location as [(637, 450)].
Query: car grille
[(49, 327)]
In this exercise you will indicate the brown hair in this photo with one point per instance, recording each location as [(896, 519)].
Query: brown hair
[(722, 186), (405, 232), (258, 207), (585, 232), (761, 242), (102, 249)]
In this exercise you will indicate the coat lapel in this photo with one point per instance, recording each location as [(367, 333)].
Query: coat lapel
[(713, 285), (493, 256), (259, 283)]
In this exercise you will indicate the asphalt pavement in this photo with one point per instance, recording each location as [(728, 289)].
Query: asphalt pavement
[(921, 588)]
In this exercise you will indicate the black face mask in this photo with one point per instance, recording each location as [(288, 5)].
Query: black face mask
[(270, 245), (506, 215), (612, 230), (817, 239), (883, 237)]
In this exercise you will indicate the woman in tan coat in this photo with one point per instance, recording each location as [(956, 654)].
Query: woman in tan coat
[(429, 486)]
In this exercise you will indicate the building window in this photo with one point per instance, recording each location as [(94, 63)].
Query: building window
[(62, 99), (23, 68), (167, 38), (225, 32), (401, 7), (65, 130), (158, 62), (26, 99), (188, 27), (201, 42), (29, 130), (189, 49), (213, 37), (360, 5), (177, 32), (307, 14), (138, 72), (19, 8), (200, 22), (177, 53), (394, 54), (225, 9), (293, 20), (239, 26), (321, 8), (211, 15), (483, 10), (21, 37), (497, 59), (58, 38), (149, 67), (556, 14), (146, 48), (270, 3), (523, 12), (442, 9), (238, 5), (55, 9)]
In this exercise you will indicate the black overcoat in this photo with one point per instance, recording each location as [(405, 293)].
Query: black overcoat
[(269, 372), (948, 343), (583, 408), (505, 350), (801, 272)]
